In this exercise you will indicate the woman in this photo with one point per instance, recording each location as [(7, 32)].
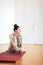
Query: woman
[(15, 40)]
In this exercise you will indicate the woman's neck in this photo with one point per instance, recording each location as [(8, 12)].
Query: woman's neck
[(16, 34)]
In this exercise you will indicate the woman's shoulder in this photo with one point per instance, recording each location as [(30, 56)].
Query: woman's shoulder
[(11, 35)]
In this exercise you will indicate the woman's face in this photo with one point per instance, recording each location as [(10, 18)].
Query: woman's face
[(18, 30)]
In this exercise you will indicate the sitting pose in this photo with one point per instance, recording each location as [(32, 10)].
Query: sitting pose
[(15, 40)]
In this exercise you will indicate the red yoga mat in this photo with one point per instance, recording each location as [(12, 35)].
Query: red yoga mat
[(7, 56)]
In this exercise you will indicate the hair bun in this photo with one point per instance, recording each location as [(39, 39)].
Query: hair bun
[(15, 25)]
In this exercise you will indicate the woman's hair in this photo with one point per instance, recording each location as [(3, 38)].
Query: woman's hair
[(16, 27)]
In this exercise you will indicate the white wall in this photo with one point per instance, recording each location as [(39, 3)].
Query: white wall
[(7, 18), (38, 21), (26, 13), (29, 14)]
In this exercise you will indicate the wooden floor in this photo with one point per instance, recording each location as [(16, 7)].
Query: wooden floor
[(33, 56)]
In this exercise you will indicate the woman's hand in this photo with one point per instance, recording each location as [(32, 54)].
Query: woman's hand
[(17, 49)]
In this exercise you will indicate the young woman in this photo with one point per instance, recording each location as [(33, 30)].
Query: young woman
[(15, 40)]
